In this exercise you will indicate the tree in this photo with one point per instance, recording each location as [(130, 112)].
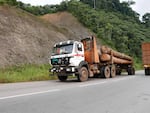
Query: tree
[(146, 19), (9, 2)]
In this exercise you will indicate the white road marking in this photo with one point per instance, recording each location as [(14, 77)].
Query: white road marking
[(29, 94)]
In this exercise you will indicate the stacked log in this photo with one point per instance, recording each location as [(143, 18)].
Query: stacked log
[(109, 54)]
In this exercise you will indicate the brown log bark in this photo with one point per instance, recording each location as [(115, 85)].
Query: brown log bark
[(107, 50), (115, 60)]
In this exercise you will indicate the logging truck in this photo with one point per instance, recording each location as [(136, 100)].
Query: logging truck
[(146, 57), (83, 59)]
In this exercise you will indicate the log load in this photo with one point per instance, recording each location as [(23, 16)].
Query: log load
[(110, 55), (107, 58), (107, 50)]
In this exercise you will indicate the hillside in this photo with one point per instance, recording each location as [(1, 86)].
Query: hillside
[(25, 38), (68, 24)]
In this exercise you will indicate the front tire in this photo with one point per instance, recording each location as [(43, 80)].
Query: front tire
[(83, 74)]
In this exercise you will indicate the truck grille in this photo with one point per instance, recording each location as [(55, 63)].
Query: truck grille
[(60, 61)]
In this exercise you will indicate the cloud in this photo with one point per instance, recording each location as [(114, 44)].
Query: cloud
[(140, 6)]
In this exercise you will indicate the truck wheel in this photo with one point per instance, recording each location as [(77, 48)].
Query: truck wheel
[(131, 71), (118, 72), (113, 71), (105, 72), (147, 71), (83, 74), (62, 78)]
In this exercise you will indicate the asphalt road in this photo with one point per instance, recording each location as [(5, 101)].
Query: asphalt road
[(122, 94)]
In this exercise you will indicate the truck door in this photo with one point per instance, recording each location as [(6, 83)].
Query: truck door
[(79, 52)]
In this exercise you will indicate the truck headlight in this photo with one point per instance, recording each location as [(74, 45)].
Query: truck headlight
[(68, 69), (73, 69)]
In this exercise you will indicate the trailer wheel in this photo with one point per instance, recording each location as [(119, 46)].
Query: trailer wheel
[(62, 78), (131, 71), (118, 72), (113, 71), (105, 72), (147, 71), (83, 74)]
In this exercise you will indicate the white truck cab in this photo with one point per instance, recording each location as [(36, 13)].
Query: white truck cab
[(66, 58)]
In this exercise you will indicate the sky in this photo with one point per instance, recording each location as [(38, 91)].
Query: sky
[(141, 6)]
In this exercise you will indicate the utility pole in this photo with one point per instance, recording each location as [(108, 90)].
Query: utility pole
[(94, 4)]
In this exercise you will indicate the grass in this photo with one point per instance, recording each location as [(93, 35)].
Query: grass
[(24, 73)]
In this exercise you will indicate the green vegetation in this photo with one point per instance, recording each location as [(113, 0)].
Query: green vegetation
[(38, 10), (9, 2), (25, 73), (146, 19)]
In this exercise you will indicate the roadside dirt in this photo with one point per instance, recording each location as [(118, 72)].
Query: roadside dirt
[(68, 24), (25, 38)]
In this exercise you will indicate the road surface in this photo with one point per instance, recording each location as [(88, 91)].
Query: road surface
[(122, 94)]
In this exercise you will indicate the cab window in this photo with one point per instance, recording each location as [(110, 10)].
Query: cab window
[(79, 47)]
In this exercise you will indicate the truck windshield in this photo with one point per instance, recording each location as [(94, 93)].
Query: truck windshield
[(63, 49)]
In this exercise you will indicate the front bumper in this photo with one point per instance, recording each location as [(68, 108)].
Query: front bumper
[(67, 70)]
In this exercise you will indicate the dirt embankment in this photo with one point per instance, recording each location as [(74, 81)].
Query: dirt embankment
[(68, 24), (25, 38)]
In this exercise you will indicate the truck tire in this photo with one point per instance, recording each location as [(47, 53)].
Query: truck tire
[(147, 71), (62, 78), (105, 72), (113, 71), (131, 71), (118, 72), (83, 74)]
